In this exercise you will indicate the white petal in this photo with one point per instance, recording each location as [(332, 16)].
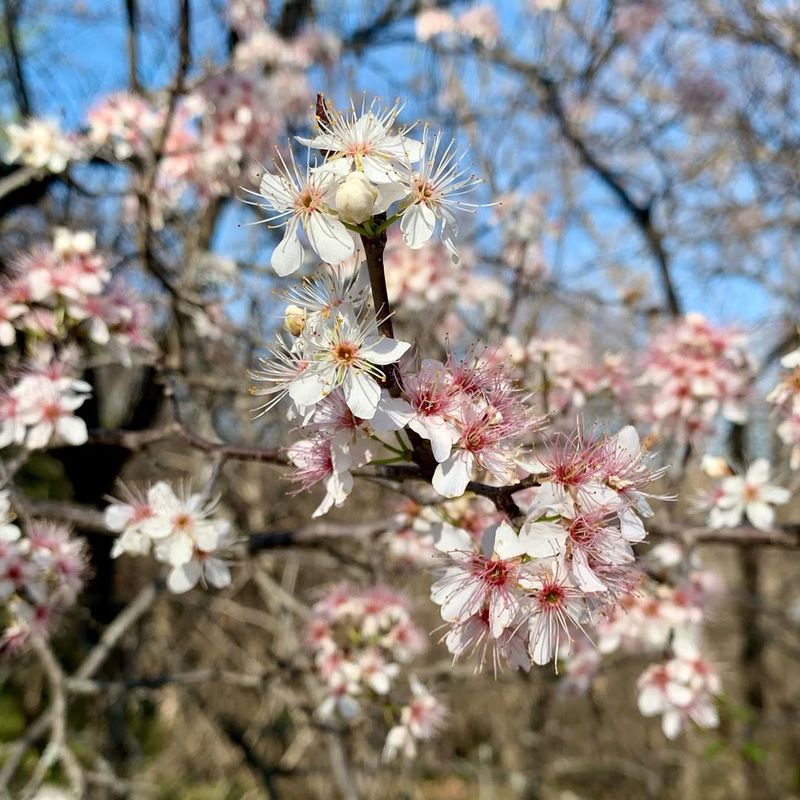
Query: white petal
[(330, 239), (627, 441), (543, 641), (73, 430), (362, 393), (287, 257), (389, 193), (543, 539), (162, 498), (184, 578), (776, 495), (760, 514), (671, 724), (117, 516), (217, 573), (506, 542), (460, 602), (308, 389), (39, 436), (392, 414), (180, 550), (417, 224), (758, 473), (442, 438), (384, 351), (274, 190), (631, 527), (651, 701), (449, 538), (452, 476), (587, 580), (502, 610)]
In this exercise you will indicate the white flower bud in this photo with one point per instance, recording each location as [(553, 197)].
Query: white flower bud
[(715, 467), (68, 243), (294, 319), (356, 197)]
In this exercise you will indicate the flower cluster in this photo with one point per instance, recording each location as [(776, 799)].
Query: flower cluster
[(474, 418), (215, 132), (680, 689), (526, 595), (411, 542), (65, 288), (567, 375), (179, 527), (368, 169), (736, 496), (479, 24), (523, 227), (786, 398), (39, 408), (692, 372), (359, 639), (662, 616), (41, 574), (41, 144), (416, 280)]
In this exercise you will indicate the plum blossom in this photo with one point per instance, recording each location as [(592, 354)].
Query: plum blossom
[(473, 581), (474, 418), (316, 460), (420, 720), (359, 639), (558, 610), (40, 143), (347, 352), (692, 372), (364, 142), (751, 495), (435, 188), (304, 201), (179, 527), (65, 289), (786, 398), (39, 409), (681, 689), (42, 570), (432, 22)]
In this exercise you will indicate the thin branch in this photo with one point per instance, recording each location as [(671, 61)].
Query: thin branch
[(126, 619), (57, 748), (11, 9)]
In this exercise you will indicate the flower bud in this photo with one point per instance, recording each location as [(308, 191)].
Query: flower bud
[(294, 319), (356, 197), (69, 243), (715, 467)]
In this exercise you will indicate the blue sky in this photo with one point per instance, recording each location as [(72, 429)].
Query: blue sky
[(73, 59)]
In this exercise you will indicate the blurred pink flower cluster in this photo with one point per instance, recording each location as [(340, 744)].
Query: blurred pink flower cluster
[(786, 398), (41, 573), (64, 289), (479, 24), (694, 371), (360, 639), (662, 616)]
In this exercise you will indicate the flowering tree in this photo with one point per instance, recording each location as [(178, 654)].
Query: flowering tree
[(469, 372)]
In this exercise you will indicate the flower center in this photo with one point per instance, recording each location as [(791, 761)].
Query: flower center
[(182, 522), (551, 595), (423, 191), (751, 493), (345, 353), (307, 201)]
